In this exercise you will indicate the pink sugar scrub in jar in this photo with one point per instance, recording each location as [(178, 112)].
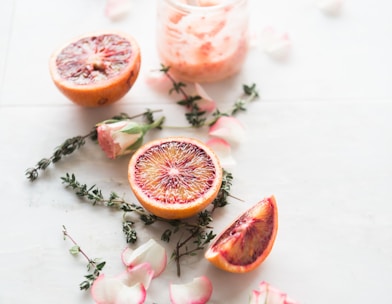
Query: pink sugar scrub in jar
[(202, 40)]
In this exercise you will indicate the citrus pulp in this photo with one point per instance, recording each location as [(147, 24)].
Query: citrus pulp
[(96, 69), (247, 242), (175, 177)]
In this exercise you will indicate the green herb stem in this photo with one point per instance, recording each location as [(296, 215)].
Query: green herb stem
[(198, 228), (94, 267)]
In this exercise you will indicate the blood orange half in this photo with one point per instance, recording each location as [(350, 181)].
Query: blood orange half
[(96, 69), (175, 177), (247, 242)]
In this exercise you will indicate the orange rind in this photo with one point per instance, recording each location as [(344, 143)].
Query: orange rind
[(175, 177), (96, 69)]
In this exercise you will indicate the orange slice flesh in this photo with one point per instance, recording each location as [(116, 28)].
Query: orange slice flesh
[(96, 69), (175, 177), (247, 242)]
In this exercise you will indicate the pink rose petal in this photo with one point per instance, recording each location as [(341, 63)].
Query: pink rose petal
[(141, 273), (117, 9), (274, 43), (112, 290), (223, 150), (228, 128), (206, 103), (158, 80), (114, 142), (198, 291), (267, 294), (150, 252)]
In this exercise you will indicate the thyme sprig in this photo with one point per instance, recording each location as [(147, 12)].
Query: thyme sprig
[(198, 231), (198, 118), (69, 146), (72, 144), (94, 266)]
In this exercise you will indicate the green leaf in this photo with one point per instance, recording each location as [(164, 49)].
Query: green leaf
[(74, 250), (133, 128), (137, 144)]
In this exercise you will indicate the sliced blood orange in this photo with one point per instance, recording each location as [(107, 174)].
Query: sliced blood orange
[(96, 69), (175, 177), (247, 242)]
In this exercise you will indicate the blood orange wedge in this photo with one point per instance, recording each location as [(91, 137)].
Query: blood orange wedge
[(175, 177), (247, 242), (96, 69)]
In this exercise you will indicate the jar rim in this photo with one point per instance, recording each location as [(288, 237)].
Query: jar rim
[(191, 8)]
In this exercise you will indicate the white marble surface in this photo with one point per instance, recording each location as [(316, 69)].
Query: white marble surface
[(319, 139)]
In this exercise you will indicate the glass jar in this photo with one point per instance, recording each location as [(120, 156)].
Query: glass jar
[(202, 40)]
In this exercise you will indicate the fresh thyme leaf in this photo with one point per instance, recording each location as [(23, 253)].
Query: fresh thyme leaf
[(67, 147), (130, 232), (197, 118), (224, 191), (94, 267), (72, 144), (197, 230), (74, 250)]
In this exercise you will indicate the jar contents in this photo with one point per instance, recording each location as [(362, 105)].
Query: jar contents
[(201, 40)]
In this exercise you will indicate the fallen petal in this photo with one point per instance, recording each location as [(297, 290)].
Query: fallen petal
[(255, 297), (112, 290), (142, 273), (276, 44), (150, 252), (196, 292), (267, 294), (223, 150), (274, 296), (330, 7), (206, 103), (117, 9), (158, 80), (228, 128)]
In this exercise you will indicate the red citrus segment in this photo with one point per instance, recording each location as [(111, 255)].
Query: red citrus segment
[(175, 177), (247, 242), (96, 69)]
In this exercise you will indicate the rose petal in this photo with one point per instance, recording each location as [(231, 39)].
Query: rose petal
[(330, 7), (197, 291), (228, 128), (112, 290), (274, 296), (206, 103), (266, 294), (158, 80), (223, 150), (113, 141), (142, 273), (276, 44), (117, 9), (150, 252), (255, 297)]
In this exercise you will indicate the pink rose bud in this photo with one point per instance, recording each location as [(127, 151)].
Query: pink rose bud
[(122, 137)]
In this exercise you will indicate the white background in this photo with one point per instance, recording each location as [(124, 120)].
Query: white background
[(319, 139)]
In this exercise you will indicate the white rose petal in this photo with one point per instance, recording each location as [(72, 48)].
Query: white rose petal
[(330, 7), (274, 43), (117, 9)]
